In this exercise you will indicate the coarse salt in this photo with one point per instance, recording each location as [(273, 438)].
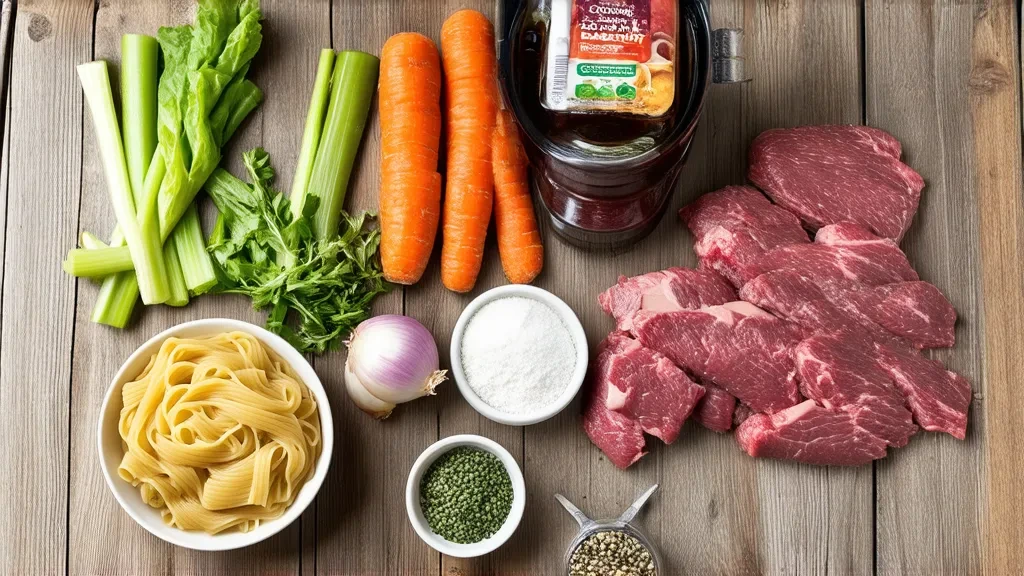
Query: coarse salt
[(517, 355)]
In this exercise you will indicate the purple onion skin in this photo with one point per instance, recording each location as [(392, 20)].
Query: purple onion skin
[(395, 358)]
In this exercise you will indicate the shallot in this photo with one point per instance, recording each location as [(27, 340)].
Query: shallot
[(392, 359)]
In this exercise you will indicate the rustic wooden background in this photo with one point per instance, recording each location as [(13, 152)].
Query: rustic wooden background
[(944, 77)]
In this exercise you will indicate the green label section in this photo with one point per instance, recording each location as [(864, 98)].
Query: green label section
[(607, 70), (590, 92), (586, 91)]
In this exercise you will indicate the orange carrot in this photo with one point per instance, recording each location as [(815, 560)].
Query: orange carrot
[(470, 68), (410, 134), (522, 254)]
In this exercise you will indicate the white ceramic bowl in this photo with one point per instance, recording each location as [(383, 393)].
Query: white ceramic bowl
[(110, 451), (571, 322), (419, 522)]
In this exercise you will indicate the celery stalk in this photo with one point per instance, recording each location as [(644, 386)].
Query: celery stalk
[(179, 292), (196, 265), (139, 117), (192, 256), (139, 55), (118, 294), (102, 260), (138, 105), (217, 234), (352, 87), (98, 262), (314, 126), (143, 241), (120, 291), (150, 193), (116, 300), (89, 241)]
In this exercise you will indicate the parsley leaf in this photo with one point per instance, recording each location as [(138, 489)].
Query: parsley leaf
[(317, 291)]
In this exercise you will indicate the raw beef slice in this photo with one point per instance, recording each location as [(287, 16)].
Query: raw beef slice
[(809, 433), (850, 234), (663, 291), (831, 174), (839, 372), (799, 299), (715, 411), (649, 388), (734, 226), (938, 397), (737, 346), (620, 437), (914, 312), (832, 257)]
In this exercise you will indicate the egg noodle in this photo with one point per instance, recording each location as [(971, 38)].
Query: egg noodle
[(218, 433)]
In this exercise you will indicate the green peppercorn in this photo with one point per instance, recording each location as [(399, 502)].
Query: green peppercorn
[(466, 495), (611, 553)]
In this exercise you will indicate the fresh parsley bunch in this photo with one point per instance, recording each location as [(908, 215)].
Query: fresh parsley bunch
[(263, 252)]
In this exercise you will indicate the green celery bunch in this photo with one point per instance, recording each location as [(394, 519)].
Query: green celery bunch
[(264, 251), (136, 222), (202, 98)]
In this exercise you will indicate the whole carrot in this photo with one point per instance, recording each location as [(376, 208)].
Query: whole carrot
[(470, 66), (522, 254), (410, 131)]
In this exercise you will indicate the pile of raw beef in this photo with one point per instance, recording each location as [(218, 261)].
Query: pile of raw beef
[(809, 348)]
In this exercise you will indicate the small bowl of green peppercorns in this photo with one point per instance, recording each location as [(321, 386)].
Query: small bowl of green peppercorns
[(465, 496)]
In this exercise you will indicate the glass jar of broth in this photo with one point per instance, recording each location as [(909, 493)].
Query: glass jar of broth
[(607, 94)]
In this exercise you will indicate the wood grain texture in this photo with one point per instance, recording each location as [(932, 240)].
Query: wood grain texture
[(294, 33), (38, 300), (100, 350), (730, 514), (6, 15), (5, 166), (719, 497), (995, 91), (806, 64), (362, 526), (942, 76), (919, 63), (439, 309)]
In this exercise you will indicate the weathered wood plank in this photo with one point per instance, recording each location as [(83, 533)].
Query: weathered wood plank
[(99, 352), (918, 62), (439, 309), (6, 14), (42, 188), (737, 522), (805, 58), (285, 60), (5, 167), (295, 31), (995, 91), (719, 497), (361, 520)]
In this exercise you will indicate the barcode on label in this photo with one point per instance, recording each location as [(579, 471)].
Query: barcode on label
[(561, 77)]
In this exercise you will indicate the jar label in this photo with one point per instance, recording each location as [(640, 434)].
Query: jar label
[(611, 56)]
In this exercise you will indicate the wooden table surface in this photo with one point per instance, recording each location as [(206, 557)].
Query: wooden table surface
[(943, 77)]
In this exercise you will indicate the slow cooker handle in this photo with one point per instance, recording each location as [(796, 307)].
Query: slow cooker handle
[(727, 61)]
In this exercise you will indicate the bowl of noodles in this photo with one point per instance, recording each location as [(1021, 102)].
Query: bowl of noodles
[(215, 434)]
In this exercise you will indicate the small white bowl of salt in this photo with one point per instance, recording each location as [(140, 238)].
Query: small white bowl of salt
[(519, 354)]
